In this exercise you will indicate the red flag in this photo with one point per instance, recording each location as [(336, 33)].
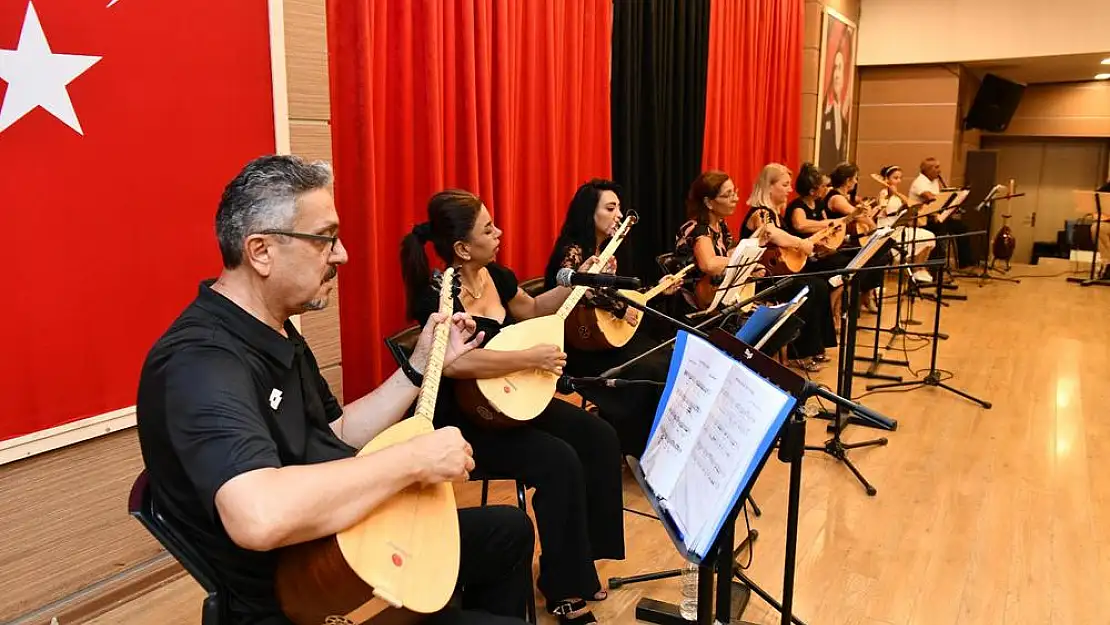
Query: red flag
[(120, 123)]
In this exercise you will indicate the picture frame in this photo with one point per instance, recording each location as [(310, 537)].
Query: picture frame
[(836, 85)]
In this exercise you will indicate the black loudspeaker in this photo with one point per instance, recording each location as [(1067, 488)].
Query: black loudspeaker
[(994, 104)]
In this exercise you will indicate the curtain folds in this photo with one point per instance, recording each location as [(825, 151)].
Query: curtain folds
[(507, 99), (753, 95), (660, 51)]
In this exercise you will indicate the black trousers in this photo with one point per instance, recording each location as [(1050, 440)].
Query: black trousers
[(573, 460), (496, 547), (818, 331), (631, 410), (963, 244)]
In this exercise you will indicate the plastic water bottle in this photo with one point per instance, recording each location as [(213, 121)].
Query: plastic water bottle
[(689, 606)]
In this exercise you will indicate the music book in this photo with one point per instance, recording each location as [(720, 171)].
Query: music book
[(741, 263), (714, 426), (763, 323)]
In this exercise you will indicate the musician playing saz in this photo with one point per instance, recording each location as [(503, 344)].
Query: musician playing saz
[(246, 448), (571, 457), (926, 187), (592, 217)]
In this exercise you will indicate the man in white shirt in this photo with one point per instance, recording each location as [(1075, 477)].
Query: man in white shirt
[(927, 184), (927, 187)]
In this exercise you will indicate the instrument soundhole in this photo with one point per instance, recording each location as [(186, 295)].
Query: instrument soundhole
[(338, 620)]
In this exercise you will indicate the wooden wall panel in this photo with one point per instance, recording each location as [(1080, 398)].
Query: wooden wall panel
[(334, 377), (879, 122), (306, 58), (905, 115), (1068, 110), (65, 521), (310, 139)]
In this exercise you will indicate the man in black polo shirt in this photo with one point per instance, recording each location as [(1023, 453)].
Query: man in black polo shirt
[(246, 447)]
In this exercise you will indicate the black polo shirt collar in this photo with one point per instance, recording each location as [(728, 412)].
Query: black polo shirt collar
[(248, 327)]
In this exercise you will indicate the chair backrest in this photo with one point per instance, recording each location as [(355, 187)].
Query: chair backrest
[(533, 286), (402, 343), (141, 505)]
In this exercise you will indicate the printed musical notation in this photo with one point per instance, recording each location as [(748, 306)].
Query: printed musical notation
[(716, 418)]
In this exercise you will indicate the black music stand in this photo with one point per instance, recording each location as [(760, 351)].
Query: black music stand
[(933, 377), (719, 564), (1094, 255)]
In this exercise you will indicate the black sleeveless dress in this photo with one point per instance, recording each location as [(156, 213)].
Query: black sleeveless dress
[(819, 331)]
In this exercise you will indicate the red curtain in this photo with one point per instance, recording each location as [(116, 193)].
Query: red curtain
[(507, 99), (753, 97)]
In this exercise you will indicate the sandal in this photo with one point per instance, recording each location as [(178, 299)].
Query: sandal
[(565, 608)]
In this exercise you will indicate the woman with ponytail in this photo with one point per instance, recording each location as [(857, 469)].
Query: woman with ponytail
[(571, 457)]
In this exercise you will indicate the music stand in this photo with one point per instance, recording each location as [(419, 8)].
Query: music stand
[(1092, 203), (986, 267)]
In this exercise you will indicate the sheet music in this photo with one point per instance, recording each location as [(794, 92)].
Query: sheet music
[(690, 395), (719, 419), (741, 264), (867, 251)]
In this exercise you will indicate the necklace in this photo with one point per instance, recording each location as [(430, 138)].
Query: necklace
[(474, 295)]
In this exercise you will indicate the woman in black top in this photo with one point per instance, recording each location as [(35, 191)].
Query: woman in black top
[(768, 203), (571, 457), (806, 215), (844, 180), (593, 216)]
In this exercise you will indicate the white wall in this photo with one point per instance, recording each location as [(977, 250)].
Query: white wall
[(896, 32)]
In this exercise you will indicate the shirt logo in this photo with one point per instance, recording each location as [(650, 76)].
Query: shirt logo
[(275, 399)]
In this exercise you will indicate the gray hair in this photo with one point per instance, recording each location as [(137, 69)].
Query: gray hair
[(263, 196)]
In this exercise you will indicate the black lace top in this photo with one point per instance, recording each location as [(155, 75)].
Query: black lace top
[(573, 257), (687, 236)]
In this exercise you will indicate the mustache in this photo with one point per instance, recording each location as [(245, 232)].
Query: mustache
[(332, 272)]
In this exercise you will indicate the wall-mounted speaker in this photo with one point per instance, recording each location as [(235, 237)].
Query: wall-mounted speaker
[(994, 104)]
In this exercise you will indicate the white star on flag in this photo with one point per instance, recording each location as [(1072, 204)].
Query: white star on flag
[(38, 77)]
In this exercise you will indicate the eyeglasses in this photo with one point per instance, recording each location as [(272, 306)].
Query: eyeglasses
[(306, 235)]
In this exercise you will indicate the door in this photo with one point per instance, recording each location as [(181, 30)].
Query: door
[(1067, 167), (1047, 171), (1022, 163)]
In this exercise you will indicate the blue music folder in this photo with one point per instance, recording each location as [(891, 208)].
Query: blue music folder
[(767, 317)]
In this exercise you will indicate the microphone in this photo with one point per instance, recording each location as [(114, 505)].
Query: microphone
[(570, 277), (567, 384)]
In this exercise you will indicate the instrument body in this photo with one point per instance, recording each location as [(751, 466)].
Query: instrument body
[(403, 558), (514, 399), (1004, 242), (596, 329)]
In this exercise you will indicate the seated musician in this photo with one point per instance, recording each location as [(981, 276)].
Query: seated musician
[(571, 457), (593, 216), (247, 450), (807, 215), (917, 242), (926, 187), (844, 180), (768, 201)]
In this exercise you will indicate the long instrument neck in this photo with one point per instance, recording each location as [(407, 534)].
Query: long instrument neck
[(603, 259)]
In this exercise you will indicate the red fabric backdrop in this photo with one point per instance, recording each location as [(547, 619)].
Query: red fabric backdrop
[(504, 98), (753, 101), (108, 231)]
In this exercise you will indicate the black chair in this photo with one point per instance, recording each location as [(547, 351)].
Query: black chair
[(401, 345), (141, 506)]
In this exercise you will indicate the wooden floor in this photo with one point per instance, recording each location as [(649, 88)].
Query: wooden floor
[(997, 516)]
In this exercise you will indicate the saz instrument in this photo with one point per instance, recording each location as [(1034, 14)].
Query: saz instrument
[(785, 260), (1004, 241), (514, 399), (404, 554), (595, 329)]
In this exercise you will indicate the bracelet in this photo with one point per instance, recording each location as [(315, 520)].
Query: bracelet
[(412, 374)]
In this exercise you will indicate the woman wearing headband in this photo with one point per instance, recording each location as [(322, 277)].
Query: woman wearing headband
[(918, 243)]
